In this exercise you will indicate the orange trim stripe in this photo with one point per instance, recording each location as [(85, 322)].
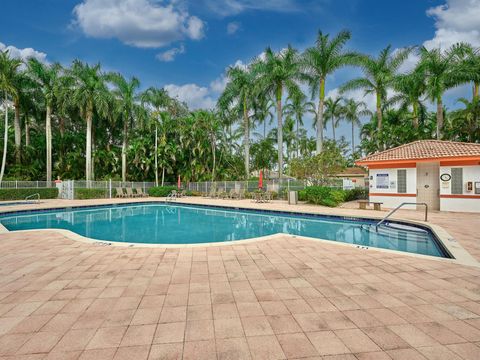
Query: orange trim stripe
[(459, 162), (399, 161), (393, 194), (459, 196)]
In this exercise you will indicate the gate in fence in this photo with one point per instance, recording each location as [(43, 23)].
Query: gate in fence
[(67, 190)]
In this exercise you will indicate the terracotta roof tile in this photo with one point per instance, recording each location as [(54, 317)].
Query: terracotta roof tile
[(352, 171), (425, 149)]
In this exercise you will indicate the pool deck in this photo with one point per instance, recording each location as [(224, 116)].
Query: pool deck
[(275, 299)]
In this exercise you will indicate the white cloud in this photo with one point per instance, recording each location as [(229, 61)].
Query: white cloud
[(233, 7), (455, 21), (233, 27), (196, 97), (219, 84), (141, 23), (170, 54), (24, 54)]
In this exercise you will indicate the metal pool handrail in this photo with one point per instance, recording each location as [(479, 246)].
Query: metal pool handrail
[(398, 207), (32, 196)]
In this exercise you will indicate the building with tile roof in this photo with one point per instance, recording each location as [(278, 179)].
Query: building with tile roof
[(443, 174)]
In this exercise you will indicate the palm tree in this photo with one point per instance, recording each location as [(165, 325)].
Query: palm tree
[(262, 112), (279, 72), (297, 107), (379, 73), (46, 77), (409, 89), (320, 61), (352, 111), (239, 92), (159, 100), (125, 91), (8, 73), (90, 95), (469, 66), (442, 74), (333, 112)]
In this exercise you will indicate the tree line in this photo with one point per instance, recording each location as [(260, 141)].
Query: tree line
[(82, 122)]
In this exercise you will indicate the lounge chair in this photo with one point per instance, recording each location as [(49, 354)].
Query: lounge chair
[(140, 192), (232, 194), (241, 194), (213, 193), (172, 196), (130, 193), (258, 197), (120, 193)]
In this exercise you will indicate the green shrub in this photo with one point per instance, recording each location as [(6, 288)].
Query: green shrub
[(325, 196), (161, 191), (83, 194), (21, 194), (302, 195), (356, 194)]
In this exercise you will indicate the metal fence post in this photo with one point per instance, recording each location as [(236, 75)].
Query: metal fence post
[(110, 188), (16, 184), (288, 185)]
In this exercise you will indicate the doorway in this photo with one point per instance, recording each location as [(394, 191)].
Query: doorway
[(428, 184)]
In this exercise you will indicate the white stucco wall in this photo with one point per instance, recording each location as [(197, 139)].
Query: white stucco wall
[(470, 173), (392, 200)]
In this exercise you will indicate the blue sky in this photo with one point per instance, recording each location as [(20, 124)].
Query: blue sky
[(186, 45)]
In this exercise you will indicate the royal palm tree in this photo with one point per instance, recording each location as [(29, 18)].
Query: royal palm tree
[(379, 73), (8, 72), (469, 66), (442, 73), (410, 88), (278, 72), (125, 91), (352, 111), (298, 107), (333, 112), (47, 78), (320, 61), (159, 100), (90, 95), (239, 93)]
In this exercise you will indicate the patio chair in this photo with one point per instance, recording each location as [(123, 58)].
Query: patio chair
[(267, 196), (183, 193), (241, 194), (232, 194), (258, 197), (172, 196), (213, 193), (120, 193), (140, 192), (130, 193)]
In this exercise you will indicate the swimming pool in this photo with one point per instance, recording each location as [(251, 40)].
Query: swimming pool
[(160, 223)]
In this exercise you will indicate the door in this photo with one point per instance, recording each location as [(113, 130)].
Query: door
[(428, 184)]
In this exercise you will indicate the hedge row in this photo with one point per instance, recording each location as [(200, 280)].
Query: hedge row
[(22, 193), (83, 194), (161, 191), (326, 196)]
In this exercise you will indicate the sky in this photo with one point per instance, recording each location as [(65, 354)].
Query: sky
[(186, 45)]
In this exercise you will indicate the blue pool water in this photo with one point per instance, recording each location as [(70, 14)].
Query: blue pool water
[(159, 223)]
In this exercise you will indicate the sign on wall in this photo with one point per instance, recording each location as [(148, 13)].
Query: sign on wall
[(382, 181)]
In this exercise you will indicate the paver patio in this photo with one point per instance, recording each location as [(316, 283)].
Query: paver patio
[(274, 299)]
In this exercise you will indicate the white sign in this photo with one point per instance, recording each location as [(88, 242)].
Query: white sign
[(382, 181), (348, 184)]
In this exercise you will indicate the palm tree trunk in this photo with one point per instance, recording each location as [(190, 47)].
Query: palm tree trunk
[(353, 138), (163, 175), (475, 91), (246, 138), (439, 118), (279, 132), (379, 120), (88, 157), (27, 131), (124, 152), (333, 128), (18, 134), (156, 154), (5, 139), (320, 117), (298, 138), (415, 115), (214, 160), (48, 138)]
